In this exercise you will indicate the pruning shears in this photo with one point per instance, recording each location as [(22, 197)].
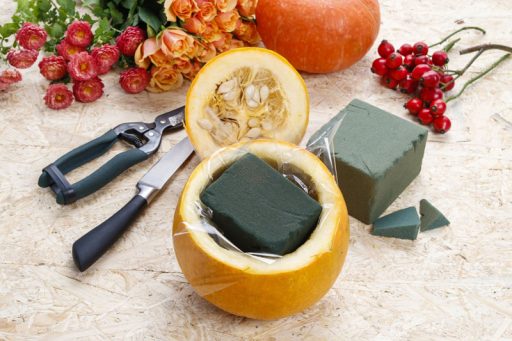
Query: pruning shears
[(145, 137)]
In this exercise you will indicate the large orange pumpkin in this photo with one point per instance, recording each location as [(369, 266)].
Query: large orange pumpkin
[(319, 36)]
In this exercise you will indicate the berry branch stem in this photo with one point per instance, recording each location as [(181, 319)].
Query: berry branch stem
[(477, 77), (459, 30), (450, 45), (485, 47)]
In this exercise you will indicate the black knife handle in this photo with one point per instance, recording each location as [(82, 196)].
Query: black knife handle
[(96, 242)]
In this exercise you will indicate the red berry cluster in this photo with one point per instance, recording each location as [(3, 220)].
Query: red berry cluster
[(77, 59), (413, 71)]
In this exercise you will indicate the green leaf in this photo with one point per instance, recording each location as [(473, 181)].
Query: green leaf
[(129, 4), (67, 6), (7, 30), (44, 6), (150, 18), (117, 16), (56, 30)]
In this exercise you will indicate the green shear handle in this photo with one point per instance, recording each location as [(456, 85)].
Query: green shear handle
[(99, 178), (146, 137)]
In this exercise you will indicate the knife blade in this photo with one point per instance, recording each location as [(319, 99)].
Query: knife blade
[(91, 246)]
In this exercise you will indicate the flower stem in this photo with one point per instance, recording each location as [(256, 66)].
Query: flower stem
[(450, 45), (486, 47), (459, 30), (477, 77)]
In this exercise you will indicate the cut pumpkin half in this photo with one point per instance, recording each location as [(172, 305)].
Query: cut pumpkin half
[(245, 286), (245, 94)]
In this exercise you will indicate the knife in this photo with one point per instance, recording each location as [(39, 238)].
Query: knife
[(91, 246)]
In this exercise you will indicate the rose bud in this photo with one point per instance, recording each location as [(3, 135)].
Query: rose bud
[(82, 67), (165, 78), (88, 91), (79, 34), (10, 76), (194, 25), (134, 80), (227, 21), (182, 9), (246, 31), (175, 43), (247, 8), (67, 50), (206, 52), (235, 44), (129, 40), (22, 59), (31, 36), (212, 32), (225, 5), (207, 10), (223, 44), (58, 96), (142, 55), (183, 65), (53, 67), (196, 66), (105, 57)]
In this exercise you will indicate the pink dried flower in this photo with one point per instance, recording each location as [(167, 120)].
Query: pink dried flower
[(4, 86), (79, 34), (22, 59), (10, 76), (31, 36), (67, 50), (134, 80), (82, 67), (58, 96), (105, 57), (88, 91), (53, 67), (130, 39)]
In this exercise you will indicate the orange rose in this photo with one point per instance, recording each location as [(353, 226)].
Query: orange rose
[(212, 32), (183, 65), (206, 52), (227, 21), (175, 43), (196, 66), (146, 49), (225, 5), (207, 10), (247, 8), (182, 9), (164, 78), (235, 43), (194, 25), (246, 31), (224, 43), (160, 59)]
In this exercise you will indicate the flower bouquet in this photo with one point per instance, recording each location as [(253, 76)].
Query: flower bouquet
[(156, 44)]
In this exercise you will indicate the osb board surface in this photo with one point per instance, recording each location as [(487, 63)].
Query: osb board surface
[(452, 283)]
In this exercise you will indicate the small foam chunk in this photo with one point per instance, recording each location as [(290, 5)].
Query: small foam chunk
[(402, 224), (431, 217), (259, 210)]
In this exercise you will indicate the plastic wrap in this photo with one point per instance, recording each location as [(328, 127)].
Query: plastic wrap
[(223, 274)]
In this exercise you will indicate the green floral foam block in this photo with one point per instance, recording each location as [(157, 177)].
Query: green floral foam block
[(377, 156), (259, 210)]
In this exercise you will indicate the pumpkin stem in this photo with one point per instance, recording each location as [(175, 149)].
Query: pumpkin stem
[(459, 30), (477, 77)]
